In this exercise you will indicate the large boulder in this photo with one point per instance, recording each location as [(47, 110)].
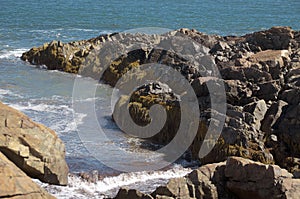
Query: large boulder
[(15, 184), (248, 179), (34, 148)]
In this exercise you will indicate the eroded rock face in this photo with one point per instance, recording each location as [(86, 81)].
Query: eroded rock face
[(235, 178), (34, 148), (16, 184), (260, 72)]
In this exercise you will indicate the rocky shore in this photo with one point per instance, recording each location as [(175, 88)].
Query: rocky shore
[(28, 150), (261, 75), (235, 178)]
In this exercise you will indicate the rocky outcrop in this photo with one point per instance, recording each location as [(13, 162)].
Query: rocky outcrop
[(16, 184), (248, 179), (32, 147), (235, 178), (260, 72)]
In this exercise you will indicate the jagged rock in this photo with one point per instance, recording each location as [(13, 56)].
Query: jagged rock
[(204, 183), (220, 46), (272, 116), (199, 85), (276, 38), (289, 128), (257, 69), (131, 194), (292, 96), (267, 90), (248, 179), (258, 110), (16, 184), (34, 148), (293, 77), (176, 187), (237, 92), (235, 178), (204, 39)]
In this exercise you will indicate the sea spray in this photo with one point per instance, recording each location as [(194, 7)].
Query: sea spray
[(109, 186)]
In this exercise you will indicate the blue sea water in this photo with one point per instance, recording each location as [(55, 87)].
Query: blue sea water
[(47, 96)]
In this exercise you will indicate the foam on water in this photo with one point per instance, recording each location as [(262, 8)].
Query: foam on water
[(15, 53), (108, 186), (41, 107), (5, 92), (64, 118)]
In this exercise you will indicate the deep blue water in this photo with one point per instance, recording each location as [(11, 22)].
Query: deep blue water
[(47, 96), (28, 23)]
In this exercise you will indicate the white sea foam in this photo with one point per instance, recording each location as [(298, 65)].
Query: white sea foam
[(63, 120), (40, 107), (78, 188), (4, 92), (6, 54), (72, 126)]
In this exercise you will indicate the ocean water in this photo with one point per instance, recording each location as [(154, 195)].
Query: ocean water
[(46, 96)]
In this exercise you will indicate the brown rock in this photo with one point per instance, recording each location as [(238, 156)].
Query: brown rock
[(34, 148), (235, 178), (202, 180), (176, 187), (271, 116), (248, 179), (237, 92), (267, 90), (258, 110), (257, 69), (220, 46), (270, 55), (276, 38), (289, 128), (16, 184), (290, 188), (131, 194), (204, 39)]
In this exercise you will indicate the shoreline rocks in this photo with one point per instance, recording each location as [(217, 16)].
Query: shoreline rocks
[(28, 150), (235, 178), (34, 148), (260, 72)]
